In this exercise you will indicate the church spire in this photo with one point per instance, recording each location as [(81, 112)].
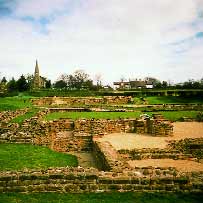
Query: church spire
[(36, 68), (36, 79)]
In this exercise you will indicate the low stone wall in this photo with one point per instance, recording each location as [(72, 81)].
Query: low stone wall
[(68, 141), (155, 127), (7, 116), (70, 101), (154, 153), (193, 146), (158, 126), (54, 133), (80, 180), (103, 126), (107, 158)]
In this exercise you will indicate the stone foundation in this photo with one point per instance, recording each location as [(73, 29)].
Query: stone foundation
[(71, 101), (80, 180)]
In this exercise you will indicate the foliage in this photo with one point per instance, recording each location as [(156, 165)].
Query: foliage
[(12, 86), (190, 84), (60, 84), (78, 80), (22, 84), (48, 84), (4, 80), (19, 156), (29, 79), (127, 197)]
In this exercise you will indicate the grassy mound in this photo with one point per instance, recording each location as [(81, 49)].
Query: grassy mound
[(19, 156)]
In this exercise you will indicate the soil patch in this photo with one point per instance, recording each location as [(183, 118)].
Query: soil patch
[(180, 165), (182, 130)]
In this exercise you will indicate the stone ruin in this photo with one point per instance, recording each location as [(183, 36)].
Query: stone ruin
[(114, 172), (71, 101)]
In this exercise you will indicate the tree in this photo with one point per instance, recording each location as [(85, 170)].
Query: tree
[(29, 79), (4, 80), (98, 78), (164, 84), (78, 80), (22, 84), (60, 84), (12, 86), (48, 84), (122, 79)]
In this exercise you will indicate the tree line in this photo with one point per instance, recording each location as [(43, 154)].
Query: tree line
[(76, 81), (81, 80)]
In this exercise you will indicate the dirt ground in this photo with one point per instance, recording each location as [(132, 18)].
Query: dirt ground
[(137, 141), (181, 165)]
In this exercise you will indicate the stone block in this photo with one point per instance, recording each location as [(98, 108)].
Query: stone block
[(114, 187)]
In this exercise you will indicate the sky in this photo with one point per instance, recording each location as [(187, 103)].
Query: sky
[(111, 38)]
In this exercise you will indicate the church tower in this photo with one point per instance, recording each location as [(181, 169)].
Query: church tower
[(37, 79)]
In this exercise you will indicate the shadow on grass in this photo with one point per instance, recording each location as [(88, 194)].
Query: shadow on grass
[(101, 197)]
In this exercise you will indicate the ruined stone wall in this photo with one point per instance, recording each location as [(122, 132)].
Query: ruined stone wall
[(174, 107), (68, 141), (7, 116), (154, 153), (103, 126), (154, 127), (80, 180), (55, 133), (70, 101), (193, 146), (107, 157)]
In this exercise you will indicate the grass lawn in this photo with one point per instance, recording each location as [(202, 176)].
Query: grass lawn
[(170, 115), (25, 116), (100, 198), (173, 100), (19, 156), (13, 103), (177, 115), (89, 115)]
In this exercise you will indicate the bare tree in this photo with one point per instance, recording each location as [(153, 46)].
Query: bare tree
[(98, 78)]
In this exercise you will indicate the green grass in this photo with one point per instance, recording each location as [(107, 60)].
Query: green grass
[(19, 156), (170, 115), (177, 115), (13, 103), (173, 100), (100, 198), (89, 115), (25, 116)]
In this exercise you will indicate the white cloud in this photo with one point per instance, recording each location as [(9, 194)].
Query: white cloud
[(113, 37)]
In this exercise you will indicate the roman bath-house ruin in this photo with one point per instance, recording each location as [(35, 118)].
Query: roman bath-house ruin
[(149, 153)]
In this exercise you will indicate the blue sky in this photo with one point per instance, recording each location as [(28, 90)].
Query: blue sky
[(114, 38)]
